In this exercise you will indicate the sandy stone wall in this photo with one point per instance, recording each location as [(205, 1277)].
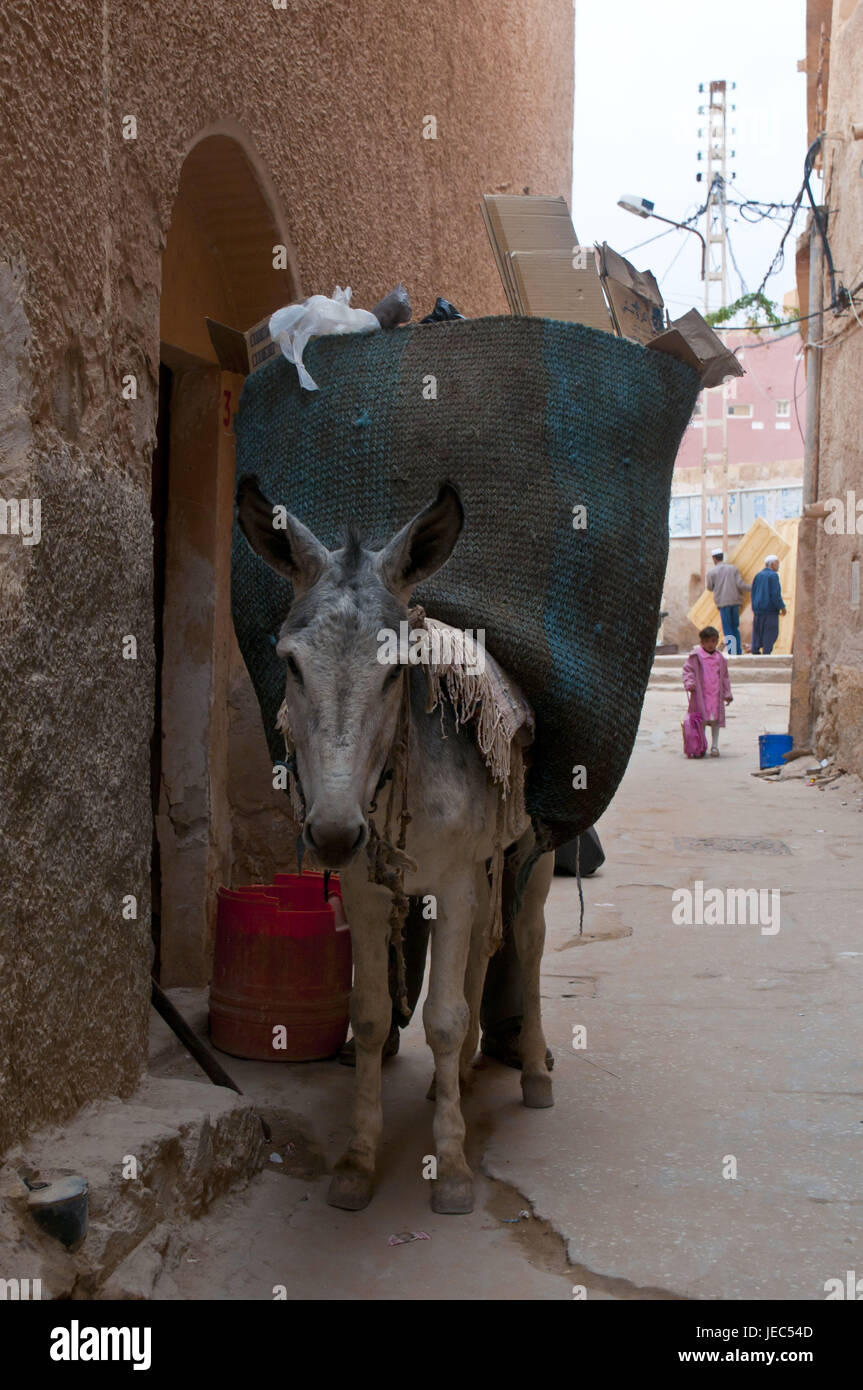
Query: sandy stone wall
[(837, 651), (331, 102)]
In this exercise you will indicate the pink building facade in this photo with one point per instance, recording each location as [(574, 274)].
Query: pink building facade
[(766, 423)]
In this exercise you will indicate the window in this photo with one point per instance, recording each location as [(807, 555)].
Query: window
[(744, 505), (741, 410), (783, 408)]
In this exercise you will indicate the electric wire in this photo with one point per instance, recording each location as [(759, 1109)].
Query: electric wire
[(794, 392), (638, 245), (686, 223), (840, 298), (743, 289), (808, 166), (671, 264), (854, 310)]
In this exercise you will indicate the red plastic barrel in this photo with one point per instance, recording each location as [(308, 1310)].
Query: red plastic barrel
[(281, 971)]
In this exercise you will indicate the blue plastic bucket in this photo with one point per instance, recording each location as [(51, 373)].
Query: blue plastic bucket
[(771, 748)]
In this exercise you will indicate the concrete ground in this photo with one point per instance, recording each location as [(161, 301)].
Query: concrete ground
[(709, 1049)]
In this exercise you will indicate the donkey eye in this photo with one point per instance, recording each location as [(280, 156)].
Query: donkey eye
[(294, 669), (391, 677)]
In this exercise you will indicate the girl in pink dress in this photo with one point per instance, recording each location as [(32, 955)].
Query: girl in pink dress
[(708, 684)]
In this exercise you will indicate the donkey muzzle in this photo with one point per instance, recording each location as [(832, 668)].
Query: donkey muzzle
[(335, 842)]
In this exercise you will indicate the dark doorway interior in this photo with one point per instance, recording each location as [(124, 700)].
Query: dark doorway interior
[(159, 512)]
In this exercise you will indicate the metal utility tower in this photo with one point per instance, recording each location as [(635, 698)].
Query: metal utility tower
[(714, 439)]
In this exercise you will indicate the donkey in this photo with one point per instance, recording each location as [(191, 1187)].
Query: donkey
[(343, 709)]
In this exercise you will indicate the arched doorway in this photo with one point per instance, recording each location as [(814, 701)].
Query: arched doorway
[(218, 262)]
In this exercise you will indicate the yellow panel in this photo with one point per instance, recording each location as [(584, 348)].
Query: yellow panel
[(748, 555)]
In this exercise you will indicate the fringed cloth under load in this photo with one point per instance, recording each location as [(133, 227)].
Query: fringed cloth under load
[(503, 727)]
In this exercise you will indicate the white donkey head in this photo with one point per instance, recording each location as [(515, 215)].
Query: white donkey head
[(342, 702)]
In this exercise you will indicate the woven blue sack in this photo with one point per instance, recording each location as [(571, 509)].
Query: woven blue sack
[(533, 420)]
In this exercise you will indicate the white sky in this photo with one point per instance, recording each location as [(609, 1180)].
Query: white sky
[(637, 69)]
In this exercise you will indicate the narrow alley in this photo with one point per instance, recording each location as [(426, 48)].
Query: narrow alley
[(703, 1044)]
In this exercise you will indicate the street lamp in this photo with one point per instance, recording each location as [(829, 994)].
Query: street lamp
[(643, 207)]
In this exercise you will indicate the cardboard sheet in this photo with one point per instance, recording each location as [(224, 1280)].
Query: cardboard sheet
[(550, 287), (525, 223), (691, 339), (634, 296), (242, 352)]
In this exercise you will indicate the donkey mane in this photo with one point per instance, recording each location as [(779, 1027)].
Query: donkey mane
[(353, 594), (353, 550)]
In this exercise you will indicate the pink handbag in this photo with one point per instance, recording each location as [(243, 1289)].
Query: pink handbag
[(694, 737)]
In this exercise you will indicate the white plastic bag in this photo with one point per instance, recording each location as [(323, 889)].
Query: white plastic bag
[(292, 327)]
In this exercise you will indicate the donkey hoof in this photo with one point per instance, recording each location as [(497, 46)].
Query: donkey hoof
[(536, 1091), (452, 1196), (351, 1189)]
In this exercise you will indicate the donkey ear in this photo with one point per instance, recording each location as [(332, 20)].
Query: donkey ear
[(282, 542), (422, 546)]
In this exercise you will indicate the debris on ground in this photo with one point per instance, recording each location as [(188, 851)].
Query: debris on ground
[(405, 1237), (796, 753), (819, 778), (793, 771), (820, 774)]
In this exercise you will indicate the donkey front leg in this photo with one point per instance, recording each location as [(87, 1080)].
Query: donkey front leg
[(529, 929), (477, 964), (367, 908), (446, 1019)]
